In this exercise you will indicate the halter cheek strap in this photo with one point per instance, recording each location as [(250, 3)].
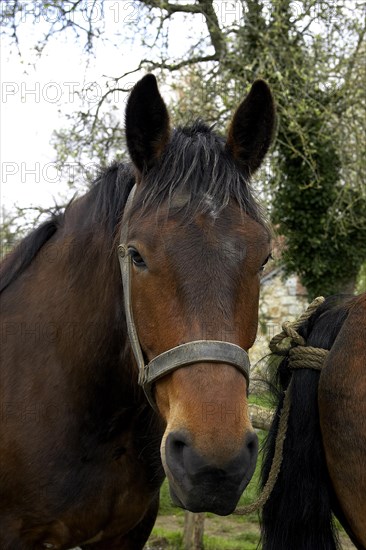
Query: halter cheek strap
[(198, 351), (125, 265)]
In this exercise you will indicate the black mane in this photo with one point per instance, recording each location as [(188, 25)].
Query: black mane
[(197, 165), (108, 196)]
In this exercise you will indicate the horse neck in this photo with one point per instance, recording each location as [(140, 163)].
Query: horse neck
[(96, 344), (73, 290), (96, 290)]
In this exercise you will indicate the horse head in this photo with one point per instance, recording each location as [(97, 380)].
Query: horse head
[(194, 245)]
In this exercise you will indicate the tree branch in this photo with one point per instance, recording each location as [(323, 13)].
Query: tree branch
[(101, 101), (172, 8), (204, 7), (183, 63), (354, 56), (213, 26), (149, 64)]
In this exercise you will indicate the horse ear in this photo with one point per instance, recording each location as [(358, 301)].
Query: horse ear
[(251, 130), (147, 123)]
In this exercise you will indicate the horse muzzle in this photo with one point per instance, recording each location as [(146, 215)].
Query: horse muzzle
[(199, 486)]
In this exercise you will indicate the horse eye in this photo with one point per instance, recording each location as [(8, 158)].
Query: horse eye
[(270, 257), (136, 258)]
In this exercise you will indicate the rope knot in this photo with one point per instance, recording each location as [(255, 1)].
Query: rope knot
[(289, 338)]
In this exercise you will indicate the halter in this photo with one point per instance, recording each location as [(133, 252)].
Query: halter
[(198, 351)]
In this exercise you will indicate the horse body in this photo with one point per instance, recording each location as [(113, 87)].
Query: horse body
[(323, 469), (342, 409), (83, 454)]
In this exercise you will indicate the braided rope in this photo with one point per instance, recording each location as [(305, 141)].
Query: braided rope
[(288, 342), (276, 463), (307, 358)]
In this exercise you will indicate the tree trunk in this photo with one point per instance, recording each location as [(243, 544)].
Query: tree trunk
[(193, 531)]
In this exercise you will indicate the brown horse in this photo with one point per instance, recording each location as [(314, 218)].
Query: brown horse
[(83, 453), (324, 456)]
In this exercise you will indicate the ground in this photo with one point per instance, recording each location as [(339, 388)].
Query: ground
[(239, 534)]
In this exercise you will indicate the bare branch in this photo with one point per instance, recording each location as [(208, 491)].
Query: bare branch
[(102, 100), (204, 7), (172, 8), (183, 63), (354, 56)]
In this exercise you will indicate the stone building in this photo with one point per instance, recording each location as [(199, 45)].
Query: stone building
[(281, 299)]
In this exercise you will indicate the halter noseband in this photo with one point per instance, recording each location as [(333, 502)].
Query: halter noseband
[(211, 351)]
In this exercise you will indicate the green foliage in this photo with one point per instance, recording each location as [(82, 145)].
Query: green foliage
[(92, 140), (322, 216), (361, 281), (326, 258)]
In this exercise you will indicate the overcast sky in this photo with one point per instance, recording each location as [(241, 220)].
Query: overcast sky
[(35, 100)]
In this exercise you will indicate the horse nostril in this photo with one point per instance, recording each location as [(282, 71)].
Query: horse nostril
[(251, 443), (177, 448), (176, 443)]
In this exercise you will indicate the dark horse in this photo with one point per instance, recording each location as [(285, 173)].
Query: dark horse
[(324, 456), (83, 453)]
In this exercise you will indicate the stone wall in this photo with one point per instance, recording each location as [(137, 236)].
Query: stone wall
[(280, 300)]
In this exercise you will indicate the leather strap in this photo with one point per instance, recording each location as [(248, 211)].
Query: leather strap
[(199, 351), (125, 265)]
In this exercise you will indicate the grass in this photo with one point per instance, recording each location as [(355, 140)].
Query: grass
[(246, 541), (262, 399), (163, 538)]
